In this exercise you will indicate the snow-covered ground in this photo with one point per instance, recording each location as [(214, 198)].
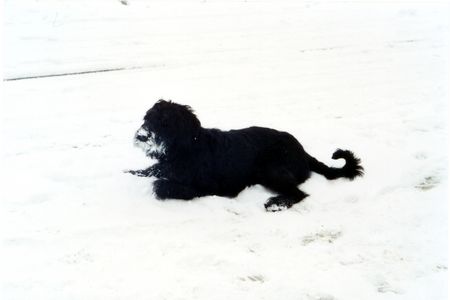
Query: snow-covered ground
[(371, 77)]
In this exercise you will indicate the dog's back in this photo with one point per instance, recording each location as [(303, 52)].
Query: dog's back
[(232, 160)]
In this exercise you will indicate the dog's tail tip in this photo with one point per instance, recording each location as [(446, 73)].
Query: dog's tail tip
[(352, 167)]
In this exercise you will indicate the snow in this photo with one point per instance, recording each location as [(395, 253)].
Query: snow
[(371, 77)]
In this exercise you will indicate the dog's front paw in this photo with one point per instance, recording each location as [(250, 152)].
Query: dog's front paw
[(140, 173), (275, 204), (132, 172)]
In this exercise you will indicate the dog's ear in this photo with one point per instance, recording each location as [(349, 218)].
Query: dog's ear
[(193, 118), (187, 122), (183, 115), (182, 128)]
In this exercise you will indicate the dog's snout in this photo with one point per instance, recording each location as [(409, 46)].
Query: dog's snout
[(142, 135), (141, 138)]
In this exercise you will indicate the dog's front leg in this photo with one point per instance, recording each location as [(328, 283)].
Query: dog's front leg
[(140, 173), (149, 172), (167, 189)]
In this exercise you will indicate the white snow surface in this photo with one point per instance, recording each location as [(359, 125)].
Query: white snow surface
[(371, 77)]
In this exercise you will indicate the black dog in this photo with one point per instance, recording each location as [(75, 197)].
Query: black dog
[(195, 161)]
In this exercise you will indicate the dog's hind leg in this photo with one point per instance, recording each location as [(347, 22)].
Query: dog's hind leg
[(284, 184), (167, 189)]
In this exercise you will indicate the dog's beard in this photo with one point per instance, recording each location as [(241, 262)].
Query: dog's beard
[(151, 147)]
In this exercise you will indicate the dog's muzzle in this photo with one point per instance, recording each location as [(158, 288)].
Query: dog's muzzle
[(141, 138), (147, 141), (142, 135)]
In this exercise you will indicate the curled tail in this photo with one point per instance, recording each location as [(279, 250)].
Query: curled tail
[(350, 170)]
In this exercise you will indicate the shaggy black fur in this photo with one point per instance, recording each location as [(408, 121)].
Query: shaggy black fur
[(194, 161)]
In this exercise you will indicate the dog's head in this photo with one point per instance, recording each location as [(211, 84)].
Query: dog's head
[(167, 126)]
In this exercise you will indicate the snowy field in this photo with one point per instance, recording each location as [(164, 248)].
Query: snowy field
[(371, 77)]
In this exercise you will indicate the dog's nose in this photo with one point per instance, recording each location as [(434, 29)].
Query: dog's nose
[(141, 138)]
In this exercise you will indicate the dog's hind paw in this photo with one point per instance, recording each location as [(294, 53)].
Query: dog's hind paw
[(275, 208), (276, 203)]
